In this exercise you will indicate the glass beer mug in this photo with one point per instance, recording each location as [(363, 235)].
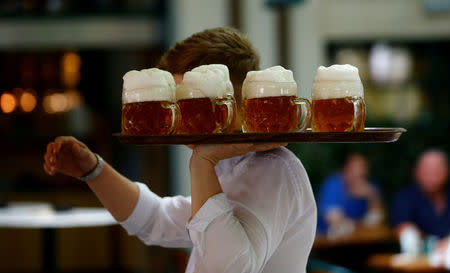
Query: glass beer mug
[(145, 113), (205, 98), (270, 106), (338, 100), (203, 115)]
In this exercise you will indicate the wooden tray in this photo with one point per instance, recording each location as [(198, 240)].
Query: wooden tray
[(372, 135)]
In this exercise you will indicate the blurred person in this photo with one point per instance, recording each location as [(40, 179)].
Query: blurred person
[(252, 207), (348, 197), (425, 204)]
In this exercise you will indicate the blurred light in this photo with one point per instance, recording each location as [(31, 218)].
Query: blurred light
[(8, 102), (62, 102), (58, 102), (400, 65), (28, 101), (380, 63), (73, 99), (71, 62), (71, 79), (46, 104), (55, 103)]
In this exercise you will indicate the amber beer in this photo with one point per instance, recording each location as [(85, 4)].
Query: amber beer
[(266, 109), (150, 118), (270, 102), (270, 114), (338, 100), (338, 115), (205, 115), (148, 103), (206, 101)]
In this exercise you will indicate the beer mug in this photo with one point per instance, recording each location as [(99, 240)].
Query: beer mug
[(148, 103), (270, 102), (338, 100), (205, 98)]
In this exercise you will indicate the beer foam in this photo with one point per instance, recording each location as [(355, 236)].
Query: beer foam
[(271, 82), (148, 85), (211, 81), (337, 81)]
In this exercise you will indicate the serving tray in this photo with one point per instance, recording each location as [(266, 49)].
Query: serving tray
[(370, 135)]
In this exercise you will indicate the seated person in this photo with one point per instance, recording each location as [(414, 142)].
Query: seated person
[(425, 205), (347, 197)]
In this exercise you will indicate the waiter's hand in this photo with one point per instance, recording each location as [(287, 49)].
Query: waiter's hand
[(216, 152), (68, 156)]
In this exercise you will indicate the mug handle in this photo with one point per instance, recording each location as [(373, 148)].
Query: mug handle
[(176, 116), (307, 116), (357, 105), (229, 102)]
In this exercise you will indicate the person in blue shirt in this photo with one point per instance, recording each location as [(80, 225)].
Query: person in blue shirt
[(347, 197), (425, 204)]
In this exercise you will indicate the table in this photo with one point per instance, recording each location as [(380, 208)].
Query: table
[(42, 216), (361, 236), (398, 263), (352, 251)]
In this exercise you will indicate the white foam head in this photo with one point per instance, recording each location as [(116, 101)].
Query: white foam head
[(148, 85), (205, 81), (337, 81), (271, 82)]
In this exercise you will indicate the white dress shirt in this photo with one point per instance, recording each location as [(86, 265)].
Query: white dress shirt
[(264, 221)]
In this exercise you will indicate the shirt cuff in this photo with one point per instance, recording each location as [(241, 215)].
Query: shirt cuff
[(147, 203), (216, 206)]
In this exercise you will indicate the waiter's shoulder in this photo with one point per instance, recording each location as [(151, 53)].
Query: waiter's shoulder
[(283, 166), (280, 157)]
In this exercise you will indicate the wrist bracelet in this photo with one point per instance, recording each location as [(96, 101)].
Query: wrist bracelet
[(95, 172)]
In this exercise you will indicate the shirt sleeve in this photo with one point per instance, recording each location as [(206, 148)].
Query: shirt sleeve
[(160, 221), (241, 238)]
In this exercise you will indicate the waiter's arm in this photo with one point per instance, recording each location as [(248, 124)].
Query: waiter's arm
[(71, 157)]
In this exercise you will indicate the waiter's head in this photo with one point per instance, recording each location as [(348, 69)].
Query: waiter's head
[(431, 171), (225, 46)]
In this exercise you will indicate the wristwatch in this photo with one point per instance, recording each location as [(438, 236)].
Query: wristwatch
[(95, 172)]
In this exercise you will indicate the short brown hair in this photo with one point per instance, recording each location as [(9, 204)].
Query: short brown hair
[(225, 46)]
